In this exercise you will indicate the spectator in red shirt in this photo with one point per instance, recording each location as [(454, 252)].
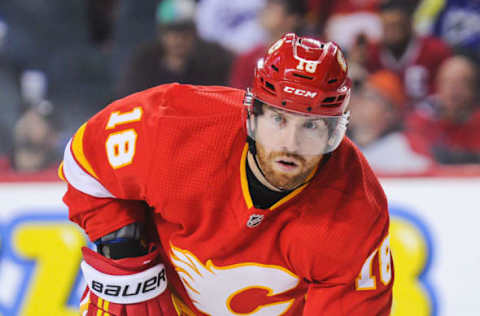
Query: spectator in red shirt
[(414, 58), (446, 126), (278, 17)]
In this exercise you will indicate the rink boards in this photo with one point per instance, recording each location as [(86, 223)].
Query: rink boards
[(433, 236)]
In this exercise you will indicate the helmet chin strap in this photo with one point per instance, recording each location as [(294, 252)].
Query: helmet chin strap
[(252, 148)]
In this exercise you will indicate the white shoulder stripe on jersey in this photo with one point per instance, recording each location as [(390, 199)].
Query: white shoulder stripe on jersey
[(81, 180)]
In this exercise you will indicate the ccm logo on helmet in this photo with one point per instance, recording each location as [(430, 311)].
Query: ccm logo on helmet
[(129, 289), (304, 93)]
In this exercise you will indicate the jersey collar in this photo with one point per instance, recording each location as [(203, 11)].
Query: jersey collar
[(246, 192)]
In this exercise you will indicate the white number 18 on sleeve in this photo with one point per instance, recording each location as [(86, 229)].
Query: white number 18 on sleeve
[(120, 146), (366, 280)]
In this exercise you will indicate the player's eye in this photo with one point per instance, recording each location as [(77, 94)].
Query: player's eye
[(277, 118), (310, 125)]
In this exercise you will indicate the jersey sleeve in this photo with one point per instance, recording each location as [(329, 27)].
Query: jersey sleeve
[(364, 287), (106, 163)]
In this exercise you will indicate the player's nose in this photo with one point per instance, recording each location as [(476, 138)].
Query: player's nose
[(290, 140)]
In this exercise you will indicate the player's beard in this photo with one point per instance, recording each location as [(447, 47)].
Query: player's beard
[(285, 180)]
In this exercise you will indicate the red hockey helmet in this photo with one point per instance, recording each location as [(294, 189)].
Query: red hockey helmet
[(301, 74)]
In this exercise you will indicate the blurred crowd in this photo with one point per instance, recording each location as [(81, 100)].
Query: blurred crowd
[(414, 64)]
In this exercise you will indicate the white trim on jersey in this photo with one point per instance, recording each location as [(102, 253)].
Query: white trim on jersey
[(81, 180)]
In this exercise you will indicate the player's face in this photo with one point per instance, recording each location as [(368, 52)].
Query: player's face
[(289, 146)]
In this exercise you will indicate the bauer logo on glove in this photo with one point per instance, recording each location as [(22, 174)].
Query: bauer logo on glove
[(125, 289)]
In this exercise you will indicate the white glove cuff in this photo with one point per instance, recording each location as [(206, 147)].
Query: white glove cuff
[(126, 289)]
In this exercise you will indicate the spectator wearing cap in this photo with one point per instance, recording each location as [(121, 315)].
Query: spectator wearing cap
[(277, 18), (177, 54), (414, 58), (446, 126), (376, 126)]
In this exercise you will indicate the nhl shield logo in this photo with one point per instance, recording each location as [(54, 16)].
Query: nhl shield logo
[(254, 220)]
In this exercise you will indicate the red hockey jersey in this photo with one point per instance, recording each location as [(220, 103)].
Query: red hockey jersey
[(179, 152)]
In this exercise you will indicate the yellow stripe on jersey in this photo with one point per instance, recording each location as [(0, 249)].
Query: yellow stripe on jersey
[(99, 305), (106, 304), (246, 191), (84, 305), (180, 307), (243, 177), (77, 149), (60, 172), (295, 192)]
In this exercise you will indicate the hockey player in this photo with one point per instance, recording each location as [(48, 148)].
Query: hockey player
[(216, 201)]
